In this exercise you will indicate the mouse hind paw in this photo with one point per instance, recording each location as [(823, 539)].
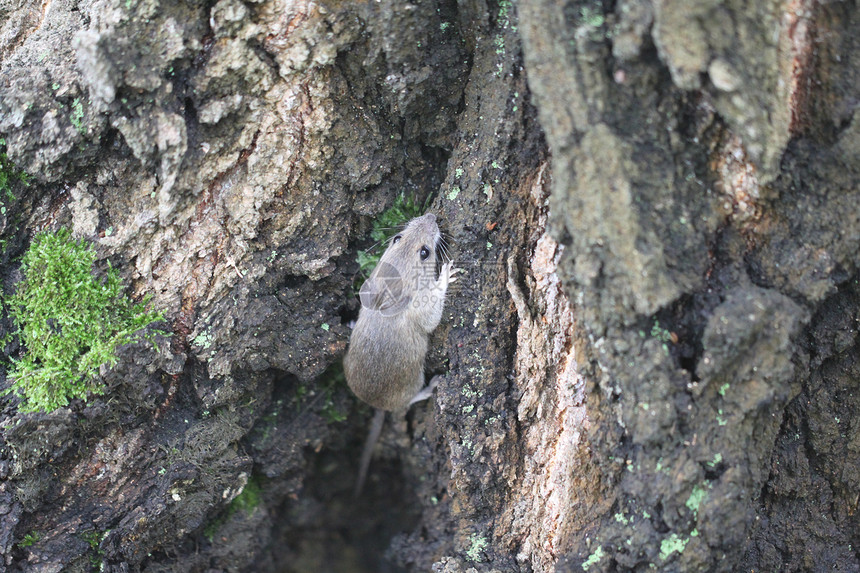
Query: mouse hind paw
[(427, 390)]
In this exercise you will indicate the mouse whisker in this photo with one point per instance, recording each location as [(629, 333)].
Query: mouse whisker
[(372, 247), (445, 253), (446, 244), (443, 250)]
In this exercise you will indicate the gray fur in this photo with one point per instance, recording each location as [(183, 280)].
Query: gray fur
[(402, 304)]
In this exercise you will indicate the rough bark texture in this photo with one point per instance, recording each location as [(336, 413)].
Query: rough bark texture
[(651, 361)]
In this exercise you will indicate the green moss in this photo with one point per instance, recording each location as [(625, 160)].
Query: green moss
[(29, 539), (69, 321), (94, 538), (248, 500), (477, 544), (672, 544), (500, 44), (505, 12), (212, 528), (592, 17), (204, 339), (77, 115), (593, 559), (697, 496), (661, 334)]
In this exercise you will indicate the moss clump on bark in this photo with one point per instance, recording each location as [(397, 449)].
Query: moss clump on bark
[(69, 321)]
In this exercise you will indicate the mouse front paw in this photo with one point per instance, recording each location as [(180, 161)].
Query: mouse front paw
[(449, 272)]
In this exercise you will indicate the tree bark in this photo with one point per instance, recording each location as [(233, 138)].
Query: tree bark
[(651, 361)]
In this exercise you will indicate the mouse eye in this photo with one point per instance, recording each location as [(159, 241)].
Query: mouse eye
[(424, 252), (395, 239)]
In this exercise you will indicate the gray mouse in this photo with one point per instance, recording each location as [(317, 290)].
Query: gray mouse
[(401, 304)]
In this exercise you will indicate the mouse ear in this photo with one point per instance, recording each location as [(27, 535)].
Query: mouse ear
[(384, 291)]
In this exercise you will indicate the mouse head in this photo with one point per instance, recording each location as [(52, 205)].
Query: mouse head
[(407, 267)]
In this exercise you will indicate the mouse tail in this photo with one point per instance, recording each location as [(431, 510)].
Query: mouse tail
[(369, 445)]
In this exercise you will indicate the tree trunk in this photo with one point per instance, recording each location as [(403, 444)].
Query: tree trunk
[(651, 361)]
